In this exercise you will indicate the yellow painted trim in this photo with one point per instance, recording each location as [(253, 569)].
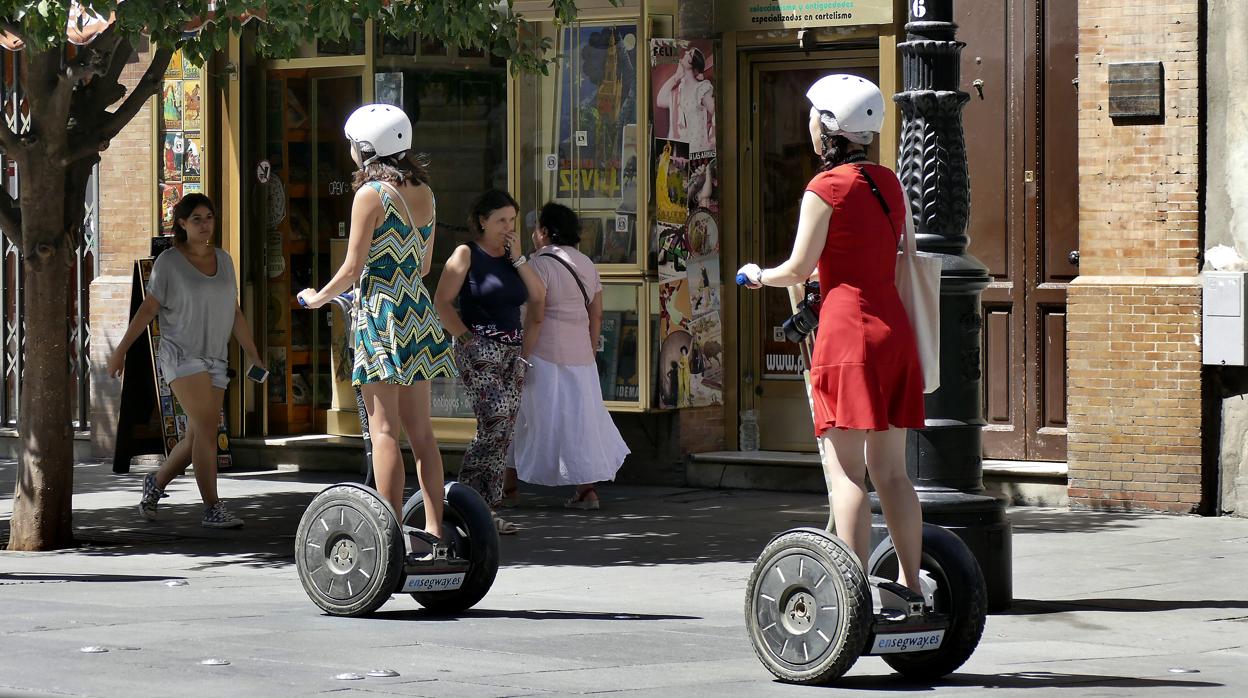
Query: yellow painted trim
[(320, 62), (454, 429)]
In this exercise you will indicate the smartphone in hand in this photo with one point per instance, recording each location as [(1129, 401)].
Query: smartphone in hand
[(257, 374)]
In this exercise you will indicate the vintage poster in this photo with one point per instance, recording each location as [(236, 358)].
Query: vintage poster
[(674, 307), (706, 361), (172, 151), (617, 240), (703, 232), (628, 173), (190, 71), (704, 286), (174, 71), (671, 175), (171, 105), (682, 80), (192, 106), (673, 254), (192, 158), (170, 194), (702, 186), (597, 98)]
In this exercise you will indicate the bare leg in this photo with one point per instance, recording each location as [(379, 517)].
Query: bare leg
[(202, 403), (415, 408), (586, 492), (845, 470), (179, 459), (381, 401), (886, 461)]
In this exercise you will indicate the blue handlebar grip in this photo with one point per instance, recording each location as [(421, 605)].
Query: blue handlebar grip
[(742, 280), (302, 303)]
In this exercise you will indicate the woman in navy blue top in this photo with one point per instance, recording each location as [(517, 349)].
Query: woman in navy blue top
[(483, 286)]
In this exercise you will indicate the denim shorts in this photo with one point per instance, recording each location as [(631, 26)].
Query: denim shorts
[(174, 367)]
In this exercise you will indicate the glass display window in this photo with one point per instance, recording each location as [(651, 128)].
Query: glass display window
[(621, 362), (578, 131)]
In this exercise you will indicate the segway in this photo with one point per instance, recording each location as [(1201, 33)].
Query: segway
[(352, 552), (811, 610)]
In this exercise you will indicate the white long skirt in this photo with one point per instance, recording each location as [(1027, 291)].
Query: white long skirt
[(564, 434)]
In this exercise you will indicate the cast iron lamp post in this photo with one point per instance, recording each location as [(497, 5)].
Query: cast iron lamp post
[(945, 458)]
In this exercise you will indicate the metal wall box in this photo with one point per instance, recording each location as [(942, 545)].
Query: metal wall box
[(1225, 335), (1135, 90)]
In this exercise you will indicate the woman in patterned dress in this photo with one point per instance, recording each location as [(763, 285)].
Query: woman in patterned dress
[(483, 286), (399, 341)]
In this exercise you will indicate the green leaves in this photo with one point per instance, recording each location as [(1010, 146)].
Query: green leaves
[(491, 25)]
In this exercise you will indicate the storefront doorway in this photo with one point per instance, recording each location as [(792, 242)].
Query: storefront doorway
[(772, 183)]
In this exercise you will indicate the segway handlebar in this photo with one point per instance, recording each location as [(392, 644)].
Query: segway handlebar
[(342, 300)]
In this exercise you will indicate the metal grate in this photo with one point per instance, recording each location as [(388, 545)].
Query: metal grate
[(86, 267)]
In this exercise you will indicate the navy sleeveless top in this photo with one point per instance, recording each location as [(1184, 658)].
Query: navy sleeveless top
[(490, 299)]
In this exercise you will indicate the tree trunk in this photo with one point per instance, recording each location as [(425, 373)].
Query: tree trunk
[(42, 502)]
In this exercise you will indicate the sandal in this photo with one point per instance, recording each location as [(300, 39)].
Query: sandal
[(505, 527), (583, 501)]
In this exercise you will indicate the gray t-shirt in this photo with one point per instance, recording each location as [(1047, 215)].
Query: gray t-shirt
[(196, 311)]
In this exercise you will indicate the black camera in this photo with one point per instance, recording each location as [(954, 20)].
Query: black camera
[(806, 319)]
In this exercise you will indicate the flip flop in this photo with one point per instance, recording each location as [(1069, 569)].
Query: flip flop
[(505, 527)]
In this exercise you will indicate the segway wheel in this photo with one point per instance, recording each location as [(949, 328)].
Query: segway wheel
[(960, 594), (349, 551), (469, 529), (807, 607)]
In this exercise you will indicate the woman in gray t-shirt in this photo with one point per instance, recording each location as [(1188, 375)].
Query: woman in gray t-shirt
[(193, 291)]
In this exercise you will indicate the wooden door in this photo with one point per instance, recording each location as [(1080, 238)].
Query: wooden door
[(1019, 66)]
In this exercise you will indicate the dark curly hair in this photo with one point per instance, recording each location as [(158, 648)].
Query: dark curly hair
[(183, 210), (561, 223), (398, 169)]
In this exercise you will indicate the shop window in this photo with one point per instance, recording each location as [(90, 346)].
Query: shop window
[(457, 101), (578, 134)]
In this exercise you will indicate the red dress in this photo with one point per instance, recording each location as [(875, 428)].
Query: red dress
[(866, 372)]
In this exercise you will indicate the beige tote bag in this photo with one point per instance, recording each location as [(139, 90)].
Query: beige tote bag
[(918, 284)]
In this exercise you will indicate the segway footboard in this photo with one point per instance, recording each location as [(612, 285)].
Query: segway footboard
[(958, 600)]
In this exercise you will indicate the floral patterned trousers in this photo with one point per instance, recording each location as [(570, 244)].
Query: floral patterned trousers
[(493, 376)]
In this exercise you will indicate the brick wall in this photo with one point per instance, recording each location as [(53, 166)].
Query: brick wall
[(1134, 313), (702, 429), (126, 209)]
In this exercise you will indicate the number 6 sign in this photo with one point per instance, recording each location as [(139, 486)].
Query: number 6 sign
[(918, 8)]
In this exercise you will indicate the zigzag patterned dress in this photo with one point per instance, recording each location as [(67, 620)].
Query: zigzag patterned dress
[(398, 335)]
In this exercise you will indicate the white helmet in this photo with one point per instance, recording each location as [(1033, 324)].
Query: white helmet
[(380, 129), (849, 106)]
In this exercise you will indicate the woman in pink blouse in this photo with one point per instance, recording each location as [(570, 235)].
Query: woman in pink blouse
[(564, 434)]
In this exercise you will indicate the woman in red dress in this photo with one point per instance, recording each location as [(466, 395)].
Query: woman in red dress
[(866, 381)]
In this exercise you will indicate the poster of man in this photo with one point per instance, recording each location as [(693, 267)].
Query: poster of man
[(682, 77)]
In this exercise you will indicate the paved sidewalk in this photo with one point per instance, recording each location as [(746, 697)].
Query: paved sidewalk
[(643, 598)]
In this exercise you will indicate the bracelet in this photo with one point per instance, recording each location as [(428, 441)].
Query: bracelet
[(518, 261)]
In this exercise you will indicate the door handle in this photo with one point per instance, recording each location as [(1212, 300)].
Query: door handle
[(1073, 257), (979, 87)]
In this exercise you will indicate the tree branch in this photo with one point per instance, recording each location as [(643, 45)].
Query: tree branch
[(16, 30), (94, 59), (147, 86)]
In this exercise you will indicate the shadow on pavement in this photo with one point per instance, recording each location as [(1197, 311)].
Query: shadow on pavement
[(1036, 607), (38, 578), (1028, 679), (544, 614)]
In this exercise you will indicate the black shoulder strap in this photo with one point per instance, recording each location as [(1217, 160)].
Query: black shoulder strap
[(571, 271), (876, 191)]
